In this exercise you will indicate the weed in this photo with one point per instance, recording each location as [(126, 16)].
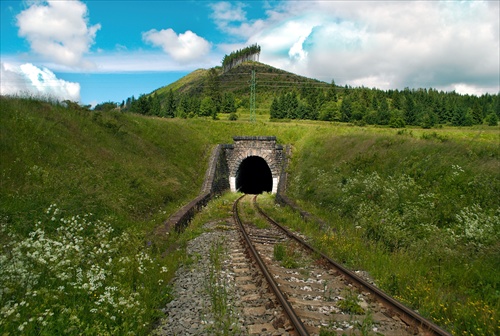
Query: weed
[(224, 317), (279, 252), (287, 255), (365, 327), (350, 303)]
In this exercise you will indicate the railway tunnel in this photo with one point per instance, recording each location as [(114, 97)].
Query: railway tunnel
[(254, 164), (254, 176)]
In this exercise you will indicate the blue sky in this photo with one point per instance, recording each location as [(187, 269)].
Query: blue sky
[(107, 50)]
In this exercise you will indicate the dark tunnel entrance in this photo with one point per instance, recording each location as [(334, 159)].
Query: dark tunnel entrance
[(254, 176)]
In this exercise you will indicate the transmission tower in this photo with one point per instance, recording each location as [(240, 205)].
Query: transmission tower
[(252, 98)]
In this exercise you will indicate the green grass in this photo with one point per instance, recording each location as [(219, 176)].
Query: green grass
[(101, 183), (422, 215), (81, 192)]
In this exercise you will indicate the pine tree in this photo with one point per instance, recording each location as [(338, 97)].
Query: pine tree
[(346, 109), (275, 110), (207, 107), (492, 119), (155, 105), (228, 103), (383, 113), (410, 111), (331, 94), (170, 104)]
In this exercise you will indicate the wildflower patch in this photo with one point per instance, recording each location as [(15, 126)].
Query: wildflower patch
[(73, 275)]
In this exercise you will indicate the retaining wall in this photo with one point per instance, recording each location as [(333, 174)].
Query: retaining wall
[(215, 183)]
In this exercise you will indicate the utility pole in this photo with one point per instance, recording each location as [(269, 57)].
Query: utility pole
[(252, 98)]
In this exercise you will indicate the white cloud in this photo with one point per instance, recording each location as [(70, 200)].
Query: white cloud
[(185, 47), (58, 30), (448, 44), (225, 12), (29, 80), (232, 19)]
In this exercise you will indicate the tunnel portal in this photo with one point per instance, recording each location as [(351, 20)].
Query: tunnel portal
[(254, 176), (254, 164)]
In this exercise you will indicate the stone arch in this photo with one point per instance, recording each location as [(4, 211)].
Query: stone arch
[(262, 147)]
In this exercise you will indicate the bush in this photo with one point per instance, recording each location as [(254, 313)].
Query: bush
[(397, 122), (492, 119)]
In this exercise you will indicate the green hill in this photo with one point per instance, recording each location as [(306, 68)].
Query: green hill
[(237, 80), (283, 95), (81, 191)]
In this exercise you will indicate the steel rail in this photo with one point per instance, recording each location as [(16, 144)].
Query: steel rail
[(406, 314), (294, 319)]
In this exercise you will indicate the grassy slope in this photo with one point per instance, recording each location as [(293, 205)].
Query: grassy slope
[(270, 81), (109, 164), (420, 213), (132, 171)]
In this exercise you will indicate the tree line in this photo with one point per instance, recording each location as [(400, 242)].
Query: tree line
[(396, 108), (237, 57), (328, 102)]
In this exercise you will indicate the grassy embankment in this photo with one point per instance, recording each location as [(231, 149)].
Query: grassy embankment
[(420, 213), (81, 192)]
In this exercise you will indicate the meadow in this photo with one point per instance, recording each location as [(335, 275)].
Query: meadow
[(420, 213), (82, 193)]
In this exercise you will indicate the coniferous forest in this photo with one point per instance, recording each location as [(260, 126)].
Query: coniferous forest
[(286, 96)]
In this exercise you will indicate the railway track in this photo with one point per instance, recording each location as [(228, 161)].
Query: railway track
[(315, 293)]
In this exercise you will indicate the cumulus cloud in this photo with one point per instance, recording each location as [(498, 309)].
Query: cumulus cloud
[(231, 18), (184, 47), (58, 30), (29, 80), (444, 45)]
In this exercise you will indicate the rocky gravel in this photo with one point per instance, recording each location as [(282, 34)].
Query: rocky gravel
[(190, 312)]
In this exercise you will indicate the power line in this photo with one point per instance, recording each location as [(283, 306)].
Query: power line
[(252, 98)]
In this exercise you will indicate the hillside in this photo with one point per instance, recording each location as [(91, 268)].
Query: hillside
[(237, 80), (81, 192), (284, 95), (270, 82)]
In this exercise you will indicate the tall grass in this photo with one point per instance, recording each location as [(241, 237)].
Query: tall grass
[(88, 264), (81, 192), (422, 215)]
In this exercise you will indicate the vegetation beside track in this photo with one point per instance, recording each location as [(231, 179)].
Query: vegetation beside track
[(81, 192), (420, 213)]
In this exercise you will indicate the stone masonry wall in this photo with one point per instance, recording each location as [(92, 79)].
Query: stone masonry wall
[(264, 147), (215, 183)]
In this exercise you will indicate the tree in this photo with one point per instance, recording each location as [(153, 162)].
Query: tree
[(183, 107), (396, 122), (212, 88), (410, 111), (346, 109), (128, 103), (331, 94), (142, 105), (330, 112), (207, 107), (170, 104), (250, 53), (107, 106), (428, 119), (275, 110), (155, 105), (289, 105), (228, 103), (492, 119), (383, 113), (461, 117)]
